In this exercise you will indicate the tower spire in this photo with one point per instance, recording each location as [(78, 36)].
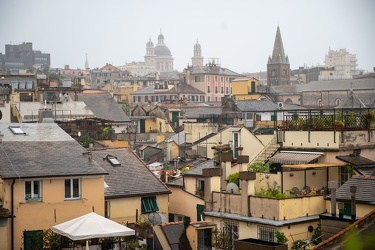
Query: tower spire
[(278, 54), (86, 63)]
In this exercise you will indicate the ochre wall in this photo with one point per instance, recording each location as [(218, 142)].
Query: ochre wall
[(53, 209)]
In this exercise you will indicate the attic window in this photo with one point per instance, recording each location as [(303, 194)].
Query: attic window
[(113, 160), (16, 130)]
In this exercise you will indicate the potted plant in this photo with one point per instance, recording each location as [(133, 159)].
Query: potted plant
[(339, 124), (369, 120)]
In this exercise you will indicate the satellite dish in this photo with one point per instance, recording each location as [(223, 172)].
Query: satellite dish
[(155, 219), (232, 188)]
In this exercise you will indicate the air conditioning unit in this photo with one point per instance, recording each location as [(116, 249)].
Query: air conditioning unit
[(280, 105)]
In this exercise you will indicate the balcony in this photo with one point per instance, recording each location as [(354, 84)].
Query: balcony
[(270, 208), (328, 119)]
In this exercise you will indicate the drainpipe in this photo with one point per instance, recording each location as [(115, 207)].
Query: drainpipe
[(12, 214), (333, 186), (353, 190)]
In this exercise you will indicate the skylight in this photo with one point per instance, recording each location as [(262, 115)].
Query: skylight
[(16, 130), (113, 161)]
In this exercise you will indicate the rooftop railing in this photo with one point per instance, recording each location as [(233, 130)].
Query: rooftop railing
[(329, 119)]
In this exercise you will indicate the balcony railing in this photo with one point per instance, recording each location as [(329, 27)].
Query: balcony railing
[(329, 119)]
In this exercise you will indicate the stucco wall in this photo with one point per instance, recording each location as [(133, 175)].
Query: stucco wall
[(289, 208), (184, 203), (53, 209), (250, 230), (318, 139), (124, 209)]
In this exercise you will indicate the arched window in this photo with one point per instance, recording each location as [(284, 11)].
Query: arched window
[(288, 101), (319, 102), (338, 101)]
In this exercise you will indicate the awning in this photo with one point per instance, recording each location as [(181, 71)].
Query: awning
[(295, 157), (357, 160), (314, 165)]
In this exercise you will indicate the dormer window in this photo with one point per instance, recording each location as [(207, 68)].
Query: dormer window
[(16, 130)]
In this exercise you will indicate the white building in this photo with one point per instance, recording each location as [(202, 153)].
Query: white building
[(157, 59), (344, 63)]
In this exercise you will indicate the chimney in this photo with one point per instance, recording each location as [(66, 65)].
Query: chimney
[(353, 190), (247, 184), (332, 185)]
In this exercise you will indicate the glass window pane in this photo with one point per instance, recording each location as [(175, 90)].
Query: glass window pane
[(67, 189), (36, 189), (27, 189), (76, 188)]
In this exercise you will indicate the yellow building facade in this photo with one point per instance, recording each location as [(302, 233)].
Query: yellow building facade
[(53, 208), (245, 88)]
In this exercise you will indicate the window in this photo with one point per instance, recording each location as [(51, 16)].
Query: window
[(266, 233), (222, 89), (208, 99), (113, 160), (72, 189), (33, 191), (249, 116), (343, 176), (208, 89), (227, 90), (197, 78), (338, 101), (200, 188), (231, 229), (205, 238), (236, 144), (107, 209), (33, 239), (215, 89), (202, 99), (146, 98), (17, 130), (149, 205)]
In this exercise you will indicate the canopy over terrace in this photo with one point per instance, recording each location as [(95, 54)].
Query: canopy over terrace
[(91, 226), (308, 166)]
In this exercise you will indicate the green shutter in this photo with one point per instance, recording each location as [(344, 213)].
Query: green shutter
[(146, 206), (149, 205), (200, 209), (154, 204)]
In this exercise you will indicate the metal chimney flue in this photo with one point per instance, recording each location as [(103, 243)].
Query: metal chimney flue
[(333, 185)]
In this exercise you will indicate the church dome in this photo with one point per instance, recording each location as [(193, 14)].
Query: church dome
[(161, 37), (162, 50)]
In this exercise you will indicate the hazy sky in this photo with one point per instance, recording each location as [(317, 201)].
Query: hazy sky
[(240, 33)]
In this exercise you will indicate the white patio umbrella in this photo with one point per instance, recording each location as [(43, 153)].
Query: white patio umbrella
[(91, 226)]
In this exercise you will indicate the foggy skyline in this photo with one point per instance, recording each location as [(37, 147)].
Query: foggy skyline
[(240, 33)]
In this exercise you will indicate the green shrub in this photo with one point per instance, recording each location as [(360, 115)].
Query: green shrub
[(280, 237), (235, 178)]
